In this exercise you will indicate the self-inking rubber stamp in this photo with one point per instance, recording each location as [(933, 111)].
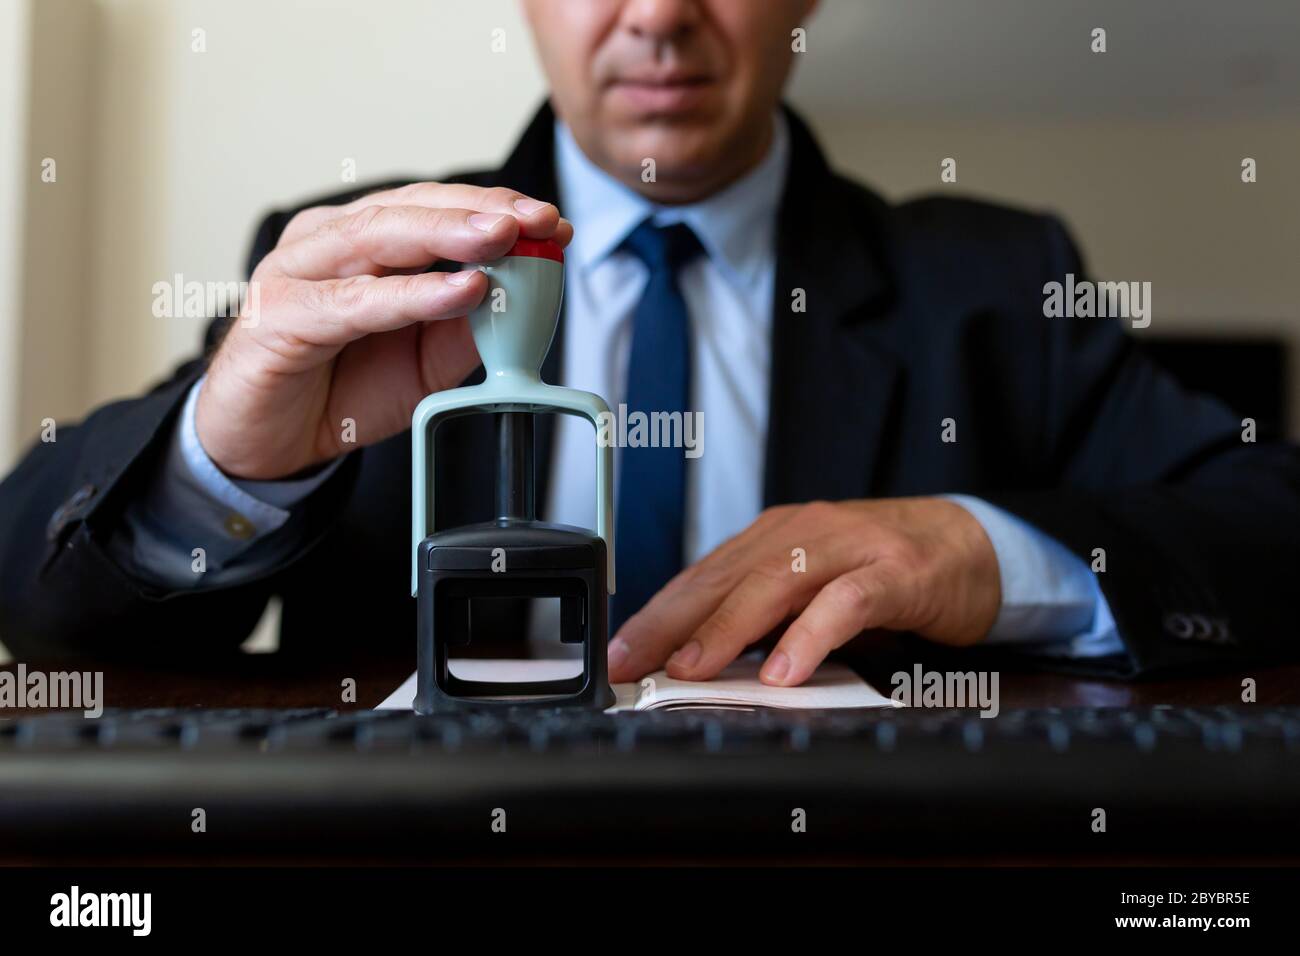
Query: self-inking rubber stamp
[(515, 555)]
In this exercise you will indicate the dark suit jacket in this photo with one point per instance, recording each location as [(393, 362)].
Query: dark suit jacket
[(915, 313)]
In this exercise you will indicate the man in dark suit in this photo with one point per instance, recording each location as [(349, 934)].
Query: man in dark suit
[(901, 438)]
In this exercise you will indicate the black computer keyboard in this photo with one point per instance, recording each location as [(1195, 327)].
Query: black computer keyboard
[(897, 782), (1059, 730)]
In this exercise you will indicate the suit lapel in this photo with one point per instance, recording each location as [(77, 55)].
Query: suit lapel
[(832, 386)]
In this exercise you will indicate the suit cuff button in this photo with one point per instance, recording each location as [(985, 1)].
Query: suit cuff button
[(238, 527)]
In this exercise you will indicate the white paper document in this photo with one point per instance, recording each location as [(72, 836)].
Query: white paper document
[(833, 686)]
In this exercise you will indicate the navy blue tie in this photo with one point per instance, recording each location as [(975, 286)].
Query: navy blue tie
[(649, 526)]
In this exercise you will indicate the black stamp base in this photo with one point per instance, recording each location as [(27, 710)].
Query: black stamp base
[(535, 560)]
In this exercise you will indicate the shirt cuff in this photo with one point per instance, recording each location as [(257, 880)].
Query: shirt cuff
[(1052, 603), (194, 522), (266, 503)]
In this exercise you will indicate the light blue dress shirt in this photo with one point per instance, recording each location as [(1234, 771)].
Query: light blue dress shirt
[(1051, 601)]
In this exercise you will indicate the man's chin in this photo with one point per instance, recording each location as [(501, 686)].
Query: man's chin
[(680, 151)]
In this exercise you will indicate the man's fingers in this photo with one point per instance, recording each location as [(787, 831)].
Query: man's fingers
[(652, 634), (768, 595), (537, 219), (850, 604), (379, 239), (563, 233), (335, 312)]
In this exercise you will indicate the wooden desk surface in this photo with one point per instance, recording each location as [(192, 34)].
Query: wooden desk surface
[(270, 680)]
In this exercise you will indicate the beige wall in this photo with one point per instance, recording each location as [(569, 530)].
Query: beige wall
[(14, 171), (133, 150), (56, 364)]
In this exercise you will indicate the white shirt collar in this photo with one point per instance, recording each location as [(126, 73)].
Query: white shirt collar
[(736, 226)]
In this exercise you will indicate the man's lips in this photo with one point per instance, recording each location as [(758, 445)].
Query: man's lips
[(661, 95)]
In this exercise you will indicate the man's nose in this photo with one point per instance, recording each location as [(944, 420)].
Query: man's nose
[(660, 20)]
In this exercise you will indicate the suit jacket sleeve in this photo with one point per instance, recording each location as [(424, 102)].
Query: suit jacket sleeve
[(61, 592), (1194, 531)]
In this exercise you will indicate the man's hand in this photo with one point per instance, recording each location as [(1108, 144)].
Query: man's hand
[(351, 327), (907, 564)]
